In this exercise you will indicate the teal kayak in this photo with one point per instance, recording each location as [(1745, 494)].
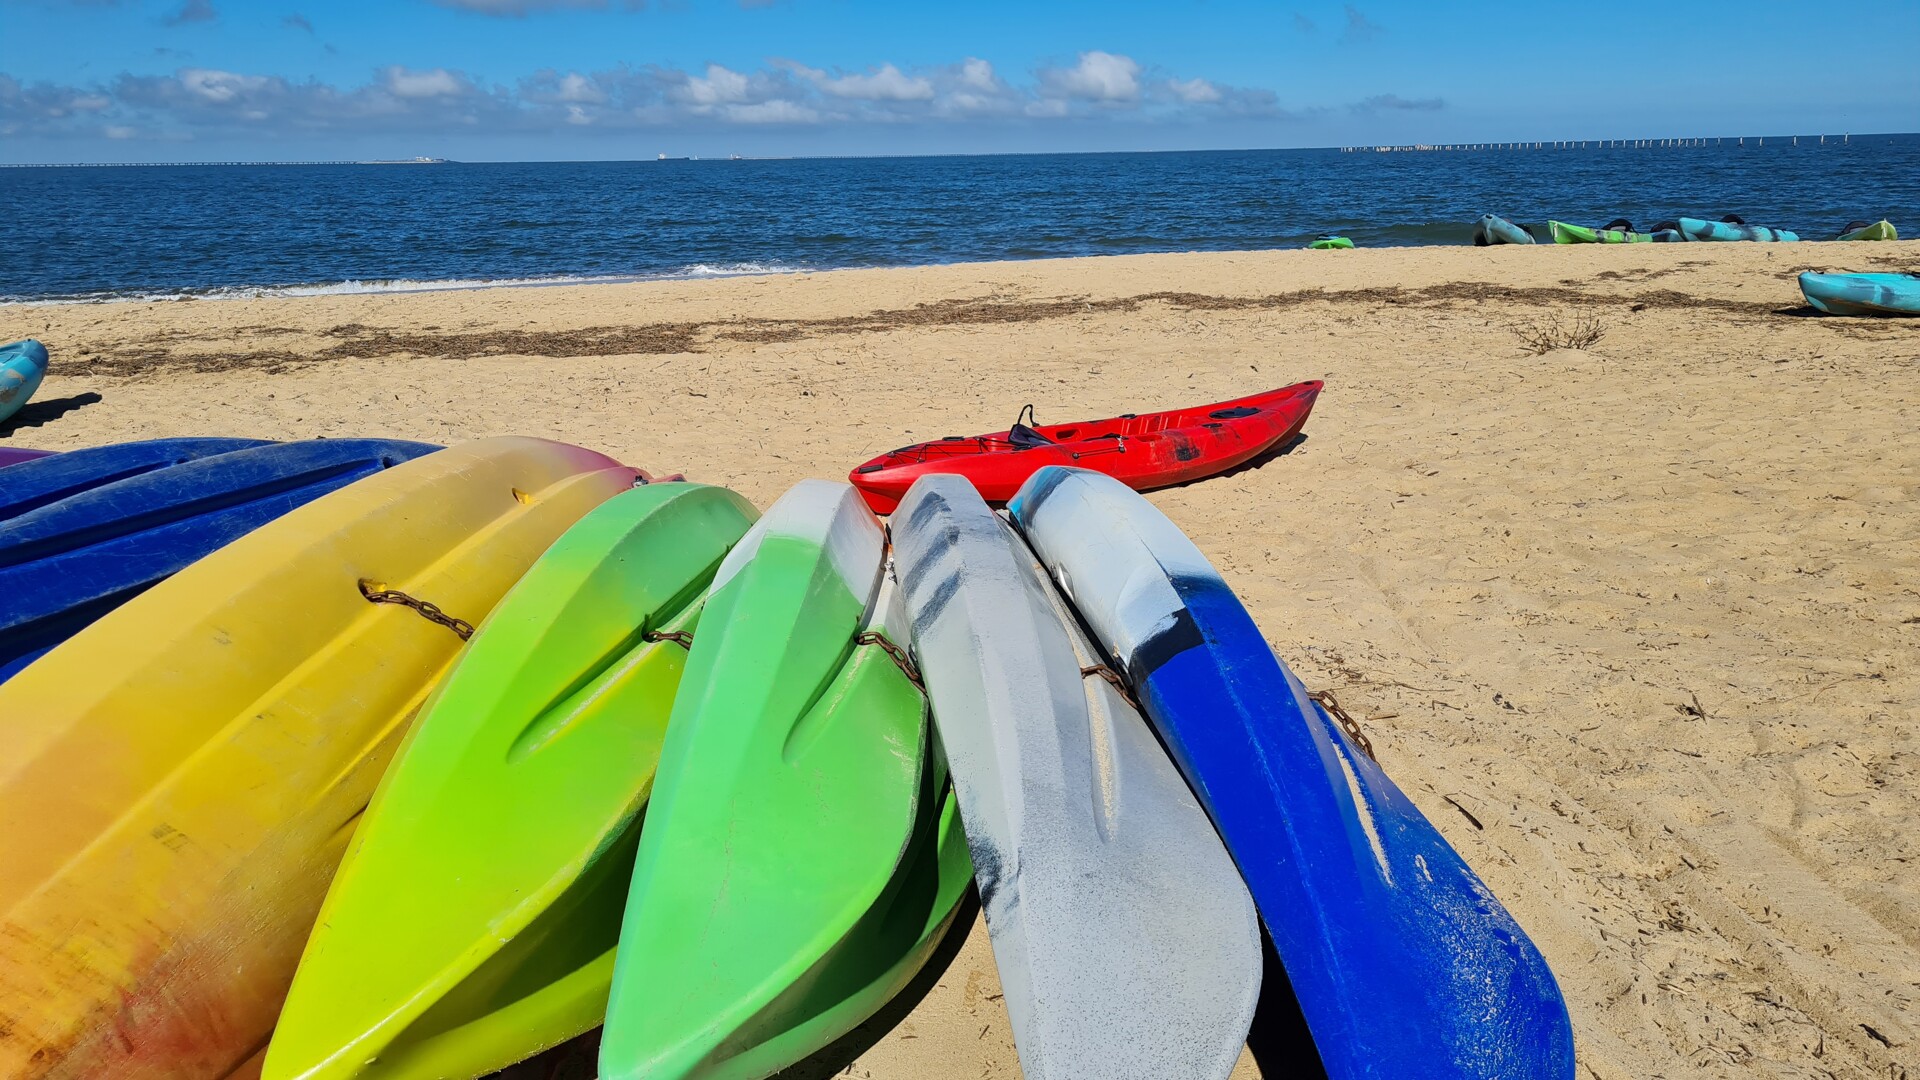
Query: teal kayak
[(1863, 294), (1696, 229), (1493, 229), (22, 365)]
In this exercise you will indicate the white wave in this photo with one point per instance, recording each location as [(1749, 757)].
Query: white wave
[(355, 286)]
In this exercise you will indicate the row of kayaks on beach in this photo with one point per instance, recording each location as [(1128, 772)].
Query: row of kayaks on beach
[(1492, 229), (369, 758)]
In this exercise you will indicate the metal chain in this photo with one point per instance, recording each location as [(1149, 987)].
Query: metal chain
[(682, 638), (1112, 677), (1347, 723), (428, 611), (894, 652)]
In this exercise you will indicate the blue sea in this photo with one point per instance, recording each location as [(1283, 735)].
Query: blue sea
[(87, 233)]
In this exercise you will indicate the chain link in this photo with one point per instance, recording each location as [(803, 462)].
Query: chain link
[(1347, 723), (682, 638), (1113, 678), (894, 652), (428, 611)]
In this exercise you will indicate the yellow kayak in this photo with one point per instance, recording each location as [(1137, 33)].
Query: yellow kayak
[(179, 780)]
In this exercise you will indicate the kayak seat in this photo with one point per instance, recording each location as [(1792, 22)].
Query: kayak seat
[(1024, 437)]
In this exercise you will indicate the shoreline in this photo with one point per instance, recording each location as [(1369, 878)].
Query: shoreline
[(1862, 252), (1633, 625)]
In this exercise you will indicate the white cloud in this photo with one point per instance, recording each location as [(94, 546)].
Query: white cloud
[(406, 83), (1194, 91), (720, 86), (221, 87), (119, 131), (1099, 76), (1046, 108), (777, 111), (886, 84), (978, 75)]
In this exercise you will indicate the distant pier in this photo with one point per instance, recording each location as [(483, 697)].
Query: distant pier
[(1585, 144)]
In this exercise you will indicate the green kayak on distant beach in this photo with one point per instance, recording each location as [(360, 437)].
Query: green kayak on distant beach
[(1331, 243), (1564, 233), (1860, 230)]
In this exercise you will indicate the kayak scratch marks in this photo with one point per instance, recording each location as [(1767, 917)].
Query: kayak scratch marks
[(1365, 813)]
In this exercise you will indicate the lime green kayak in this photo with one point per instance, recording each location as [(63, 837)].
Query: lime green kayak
[(802, 855), (1331, 243), (1564, 233), (1879, 230), (473, 921)]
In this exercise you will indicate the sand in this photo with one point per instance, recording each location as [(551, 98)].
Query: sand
[(1636, 625)]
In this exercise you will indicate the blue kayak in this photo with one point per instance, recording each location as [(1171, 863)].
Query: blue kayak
[(68, 563), (29, 485), (1403, 964), (1494, 229), (1863, 294), (1696, 229), (22, 365)]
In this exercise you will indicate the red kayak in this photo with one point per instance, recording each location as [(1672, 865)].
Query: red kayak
[(1142, 451)]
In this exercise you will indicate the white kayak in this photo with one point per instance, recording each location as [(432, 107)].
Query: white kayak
[(1127, 944)]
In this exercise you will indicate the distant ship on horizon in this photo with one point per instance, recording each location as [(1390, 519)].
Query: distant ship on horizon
[(410, 161)]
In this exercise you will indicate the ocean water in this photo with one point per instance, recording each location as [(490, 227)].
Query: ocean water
[(74, 233)]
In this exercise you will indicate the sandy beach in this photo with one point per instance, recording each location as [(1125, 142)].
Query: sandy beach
[(1637, 626)]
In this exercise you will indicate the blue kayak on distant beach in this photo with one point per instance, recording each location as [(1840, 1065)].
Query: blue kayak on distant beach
[(1494, 229), (1401, 960), (66, 563), (22, 365), (1696, 229), (1863, 294)]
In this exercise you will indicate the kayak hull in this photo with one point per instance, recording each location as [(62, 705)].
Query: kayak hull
[(1493, 229), (510, 817), (22, 365), (1564, 233), (1126, 941), (66, 564), (1147, 451), (179, 780), (809, 753), (62, 476), (1697, 230), (1879, 230), (1863, 294), (1403, 964), (14, 455), (1332, 243)]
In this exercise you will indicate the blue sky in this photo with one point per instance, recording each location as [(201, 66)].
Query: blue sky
[(170, 80)]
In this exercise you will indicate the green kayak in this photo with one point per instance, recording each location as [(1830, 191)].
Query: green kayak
[(802, 855), (473, 921), (1564, 233), (1860, 230), (1331, 243)]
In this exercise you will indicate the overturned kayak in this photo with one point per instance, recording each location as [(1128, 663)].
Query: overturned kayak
[(179, 780), (14, 455), (22, 365), (1861, 230), (1126, 941), (1564, 233), (1863, 294), (1144, 451), (1332, 243), (66, 475), (510, 817), (68, 563), (1695, 229), (1402, 962), (1493, 229), (801, 855)]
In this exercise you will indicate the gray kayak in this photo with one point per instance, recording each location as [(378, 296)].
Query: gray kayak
[(1127, 943)]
